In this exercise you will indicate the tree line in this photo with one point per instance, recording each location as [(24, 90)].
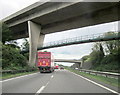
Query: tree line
[(105, 55), (11, 59)]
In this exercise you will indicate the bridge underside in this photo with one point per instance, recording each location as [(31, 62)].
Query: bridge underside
[(67, 16), (37, 20)]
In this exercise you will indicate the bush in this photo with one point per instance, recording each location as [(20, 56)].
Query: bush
[(12, 59), (108, 67)]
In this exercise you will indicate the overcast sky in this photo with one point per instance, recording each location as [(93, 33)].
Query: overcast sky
[(8, 7)]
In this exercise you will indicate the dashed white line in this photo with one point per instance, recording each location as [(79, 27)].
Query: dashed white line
[(47, 83), (43, 87), (97, 84), (40, 90), (52, 76)]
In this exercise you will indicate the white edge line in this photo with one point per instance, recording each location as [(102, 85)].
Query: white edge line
[(96, 83), (18, 77)]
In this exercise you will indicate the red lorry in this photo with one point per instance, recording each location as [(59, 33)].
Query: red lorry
[(45, 62)]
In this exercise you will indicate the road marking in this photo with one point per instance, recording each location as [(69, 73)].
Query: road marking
[(96, 83), (52, 76), (18, 77), (43, 87), (40, 90), (47, 83)]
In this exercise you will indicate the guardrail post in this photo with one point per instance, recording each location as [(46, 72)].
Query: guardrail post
[(106, 75), (89, 72), (96, 73)]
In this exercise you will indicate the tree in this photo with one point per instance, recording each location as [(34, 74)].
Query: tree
[(98, 53), (113, 48), (0, 54), (105, 55), (111, 45), (25, 45), (6, 33), (85, 58), (11, 58)]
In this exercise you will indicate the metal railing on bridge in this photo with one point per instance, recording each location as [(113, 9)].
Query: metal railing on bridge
[(80, 40)]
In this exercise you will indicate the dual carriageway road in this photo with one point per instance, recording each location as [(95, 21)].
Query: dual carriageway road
[(60, 81)]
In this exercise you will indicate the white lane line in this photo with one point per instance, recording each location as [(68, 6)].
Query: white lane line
[(40, 90), (52, 76), (18, 77), (97, 84), (47, 83), (43, 87)]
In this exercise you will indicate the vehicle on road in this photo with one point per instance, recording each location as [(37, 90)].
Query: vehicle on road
[(56, 67), (62, 68), (76, 68), (45, 62)]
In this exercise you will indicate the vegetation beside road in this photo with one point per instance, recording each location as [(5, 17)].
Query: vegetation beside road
[(7, 76), (110, 81), (11, 58), (105, 55)]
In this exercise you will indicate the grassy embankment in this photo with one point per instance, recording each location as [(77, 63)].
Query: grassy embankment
[(110, 81)]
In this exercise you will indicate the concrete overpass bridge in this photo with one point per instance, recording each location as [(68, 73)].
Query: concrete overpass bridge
[(78, 63), (68, 60), (41, 18)]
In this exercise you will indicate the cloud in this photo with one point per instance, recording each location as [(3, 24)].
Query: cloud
[(8, 7), (71, 52)]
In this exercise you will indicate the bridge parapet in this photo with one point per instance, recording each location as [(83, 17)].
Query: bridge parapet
[(81, 39)]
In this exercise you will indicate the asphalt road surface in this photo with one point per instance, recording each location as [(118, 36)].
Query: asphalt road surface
[(60, 81)]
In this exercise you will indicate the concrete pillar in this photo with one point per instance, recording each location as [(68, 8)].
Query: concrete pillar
[(41, 40), (34, 38), (40, 43), (81, 65)]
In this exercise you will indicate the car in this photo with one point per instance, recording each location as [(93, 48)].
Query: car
[(56, 67), (61, 67), (76, 68)]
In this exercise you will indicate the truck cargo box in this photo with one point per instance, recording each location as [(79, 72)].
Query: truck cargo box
[(45, 62)]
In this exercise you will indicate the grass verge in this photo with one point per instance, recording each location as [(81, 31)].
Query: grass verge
[(7, 76), (110, 81)]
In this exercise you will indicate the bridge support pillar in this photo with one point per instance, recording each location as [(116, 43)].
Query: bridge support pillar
[(81, 65), (41, 40), (34, 37)]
